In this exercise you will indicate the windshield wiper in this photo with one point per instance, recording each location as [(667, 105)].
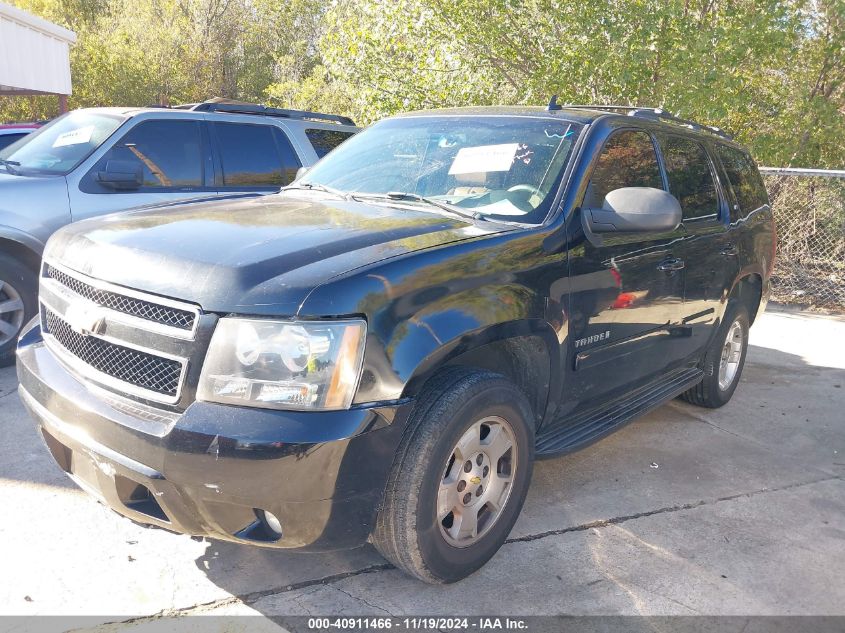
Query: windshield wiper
[(10, 165), (415, 197), (315, 186)]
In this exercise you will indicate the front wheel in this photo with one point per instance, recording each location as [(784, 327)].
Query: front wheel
[(18, 304), (723, 360), (459, 478)]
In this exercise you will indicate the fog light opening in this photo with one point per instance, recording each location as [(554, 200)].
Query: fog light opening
[(271, 524)]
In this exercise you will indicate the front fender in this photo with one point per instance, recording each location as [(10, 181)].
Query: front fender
[(32, 208), (26, 240), (428, 308)]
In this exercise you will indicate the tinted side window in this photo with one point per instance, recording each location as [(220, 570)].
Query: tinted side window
[(290, 161), (169, 153), (251, 156), (325, 141), (690, 178), (627, 160), (746, 182), (8, 139)]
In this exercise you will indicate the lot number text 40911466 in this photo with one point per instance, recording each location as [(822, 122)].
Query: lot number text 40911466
[(418, 623)]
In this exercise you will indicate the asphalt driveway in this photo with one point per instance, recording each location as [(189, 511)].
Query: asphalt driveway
[(740, 510)]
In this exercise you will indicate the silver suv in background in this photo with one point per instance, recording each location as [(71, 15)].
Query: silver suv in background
[(94, 161)]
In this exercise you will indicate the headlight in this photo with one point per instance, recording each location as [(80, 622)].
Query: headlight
[(283, 365)]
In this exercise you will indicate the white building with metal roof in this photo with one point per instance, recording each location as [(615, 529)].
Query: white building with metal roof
[(34, 55)]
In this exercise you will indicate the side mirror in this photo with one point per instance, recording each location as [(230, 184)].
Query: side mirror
[(121, 175), (301, 172), (635, 209)]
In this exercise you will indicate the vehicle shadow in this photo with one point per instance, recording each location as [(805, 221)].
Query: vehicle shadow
[(758, 448), (23, 456)]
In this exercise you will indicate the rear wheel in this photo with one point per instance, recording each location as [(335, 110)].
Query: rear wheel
[(18, 304), (723, 361), (459, 478)]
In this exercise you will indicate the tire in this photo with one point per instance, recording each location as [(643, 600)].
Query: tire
[(713, 391), (18, 304), (452, 406)]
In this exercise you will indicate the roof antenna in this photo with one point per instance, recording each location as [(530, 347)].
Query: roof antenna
[(553, 104)]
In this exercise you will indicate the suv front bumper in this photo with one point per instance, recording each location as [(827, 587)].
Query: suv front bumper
[(212, 469)]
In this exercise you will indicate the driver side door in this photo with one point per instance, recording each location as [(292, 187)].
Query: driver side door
[(626, 288)]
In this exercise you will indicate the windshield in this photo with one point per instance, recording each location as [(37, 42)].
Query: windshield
[(499, 167), (61, 145)]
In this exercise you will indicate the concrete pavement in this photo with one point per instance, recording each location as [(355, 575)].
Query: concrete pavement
[(686, 511)]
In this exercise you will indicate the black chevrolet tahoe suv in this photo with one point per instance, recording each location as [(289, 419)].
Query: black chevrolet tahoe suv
[(381, 350)]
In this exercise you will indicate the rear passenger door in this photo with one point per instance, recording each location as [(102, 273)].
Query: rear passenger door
[(252, 158), (708, 249)]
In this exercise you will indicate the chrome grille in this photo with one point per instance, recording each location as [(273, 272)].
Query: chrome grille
[(147, 310), (143, 370), (130, 342)]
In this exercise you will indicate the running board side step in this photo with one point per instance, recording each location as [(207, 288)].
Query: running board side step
[(590, 426)]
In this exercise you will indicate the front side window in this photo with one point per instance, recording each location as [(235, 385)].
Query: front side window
[(58, 147), (324, 141), (628, 159), (689, 175), (255, 156), (745, 180), (169, 153), (504, 167)]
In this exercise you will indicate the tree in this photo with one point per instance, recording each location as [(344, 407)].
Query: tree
[(142, 52), (762, 69), (770, 71)]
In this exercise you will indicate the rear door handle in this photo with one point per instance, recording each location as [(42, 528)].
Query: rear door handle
[(730, 250), (671, 264)]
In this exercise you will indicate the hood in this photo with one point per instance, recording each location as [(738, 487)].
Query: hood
[(253, 256)]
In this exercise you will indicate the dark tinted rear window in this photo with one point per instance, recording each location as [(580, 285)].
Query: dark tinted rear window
[(255, 156), (745, 180), (627, 160), (690, 178), (325, 141)]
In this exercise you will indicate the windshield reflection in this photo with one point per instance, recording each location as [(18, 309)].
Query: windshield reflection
[(58, 147), (498, 167)]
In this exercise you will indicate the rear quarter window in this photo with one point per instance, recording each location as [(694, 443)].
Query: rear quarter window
[(745, 181), (325, 141)]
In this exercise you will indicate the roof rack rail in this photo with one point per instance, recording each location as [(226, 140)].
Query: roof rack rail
[(587, 106), (240, 107), (656, 114)]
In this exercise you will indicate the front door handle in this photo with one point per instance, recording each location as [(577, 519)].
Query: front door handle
[(730, 250), (670, 265)]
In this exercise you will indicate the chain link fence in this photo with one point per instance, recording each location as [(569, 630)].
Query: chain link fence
[(809, 208)]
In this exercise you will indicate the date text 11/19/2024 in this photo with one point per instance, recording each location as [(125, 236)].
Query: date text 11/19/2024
[(418, 623)]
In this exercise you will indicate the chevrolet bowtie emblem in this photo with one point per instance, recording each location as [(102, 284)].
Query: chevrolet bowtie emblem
[(475, 480), (86, 320)]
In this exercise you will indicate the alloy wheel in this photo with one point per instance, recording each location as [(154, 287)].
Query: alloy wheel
[(11, 312), (477, 481), (731, 355)]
